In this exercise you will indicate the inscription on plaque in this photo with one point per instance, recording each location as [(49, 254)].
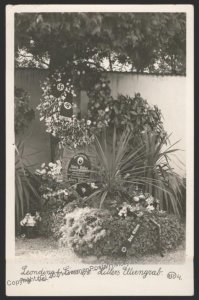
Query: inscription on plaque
[(78, 173), (79, 167)]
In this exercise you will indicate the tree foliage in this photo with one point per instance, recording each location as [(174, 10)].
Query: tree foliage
[(140, 42)]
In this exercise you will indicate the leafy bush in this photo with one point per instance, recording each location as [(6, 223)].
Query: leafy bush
[(125, 111), (90, 231), (51, 221)]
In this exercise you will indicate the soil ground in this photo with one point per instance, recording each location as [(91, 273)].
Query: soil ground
[(48, 250)]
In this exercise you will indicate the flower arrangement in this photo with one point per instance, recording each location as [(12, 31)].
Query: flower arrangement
[(85, 223), (70, 131), (61, 86), (140, 202), (98, 232), (53, 189)]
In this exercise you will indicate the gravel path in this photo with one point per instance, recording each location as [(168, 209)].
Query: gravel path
[(48, 250)]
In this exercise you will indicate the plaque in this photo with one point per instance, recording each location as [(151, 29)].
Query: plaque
[(78, 172), (79, 167)]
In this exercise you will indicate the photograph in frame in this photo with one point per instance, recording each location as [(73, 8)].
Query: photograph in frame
[(99, 146)]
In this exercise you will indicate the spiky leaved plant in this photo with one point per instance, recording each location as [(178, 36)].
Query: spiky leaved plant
[(26, 195), (121, 166), (170, 184)]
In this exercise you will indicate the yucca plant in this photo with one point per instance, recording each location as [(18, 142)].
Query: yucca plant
[(121, 166), (170, 184), (118, 167), (26, 195)]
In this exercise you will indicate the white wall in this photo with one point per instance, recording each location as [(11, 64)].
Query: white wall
[(167, 92)]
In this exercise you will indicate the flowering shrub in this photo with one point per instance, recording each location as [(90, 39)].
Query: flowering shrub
[(97, 232), (53, 189)]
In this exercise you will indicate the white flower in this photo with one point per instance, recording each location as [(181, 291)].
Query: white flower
[(41, 119), (65, 192), (48, 120), (126, 176), (150, 200), (58, 161), (32, 42), (141, 197), (93, 185), (38, 172), (51, 165), (43, 165), (43, 171), (150, 208), (140, 214), (83, 190), (107, 109), (88, 122), (136, 199)]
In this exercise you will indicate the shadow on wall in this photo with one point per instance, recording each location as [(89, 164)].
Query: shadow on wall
[(37, 142)]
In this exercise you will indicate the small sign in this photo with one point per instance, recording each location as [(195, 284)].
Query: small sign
[(79, 167), (129, 241), (78, 172)]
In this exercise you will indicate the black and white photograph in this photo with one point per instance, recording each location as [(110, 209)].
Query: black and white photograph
[(100, 150)]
